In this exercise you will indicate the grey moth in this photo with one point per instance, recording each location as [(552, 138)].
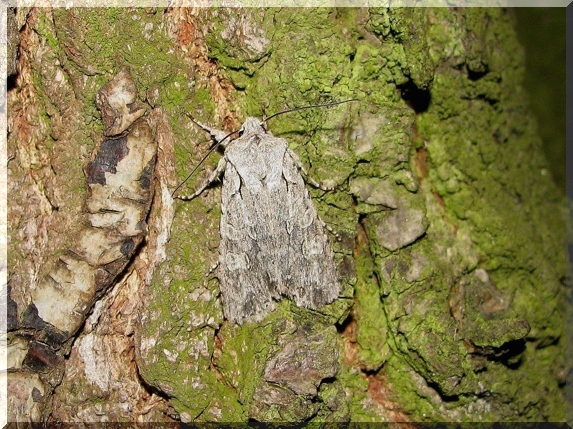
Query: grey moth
[(273, 244)]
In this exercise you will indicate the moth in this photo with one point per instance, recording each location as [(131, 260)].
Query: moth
[(273, 244)]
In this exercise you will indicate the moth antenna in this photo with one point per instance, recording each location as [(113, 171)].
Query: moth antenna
[(263, 123), (312, 106), (215, 146)]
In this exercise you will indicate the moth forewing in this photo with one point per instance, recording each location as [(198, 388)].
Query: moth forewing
[(273, 244)]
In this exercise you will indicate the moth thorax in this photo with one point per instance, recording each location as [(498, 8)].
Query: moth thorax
[(251, 126)]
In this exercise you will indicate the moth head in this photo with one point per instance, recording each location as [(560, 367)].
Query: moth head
[(251, 126)]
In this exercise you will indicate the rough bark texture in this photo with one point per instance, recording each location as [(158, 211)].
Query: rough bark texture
[(451, 229)]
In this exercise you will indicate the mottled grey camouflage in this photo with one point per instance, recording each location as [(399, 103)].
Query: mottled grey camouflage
[(273, 243)]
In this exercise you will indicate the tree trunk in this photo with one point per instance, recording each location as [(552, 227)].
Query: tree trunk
[(448, 230)]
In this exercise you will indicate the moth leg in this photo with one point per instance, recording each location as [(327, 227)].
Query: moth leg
[(333, 232), (309, 179), (215, 177), (212, 269), (217, 135)]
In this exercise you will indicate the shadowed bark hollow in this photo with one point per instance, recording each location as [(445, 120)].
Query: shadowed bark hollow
[(446, 227)]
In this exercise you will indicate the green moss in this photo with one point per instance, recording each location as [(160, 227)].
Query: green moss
[(245, 353), (182, 316), (484, 191), (104, 38), (406, 383), (471, 160), (246, 349), (334, 396), (369, 314), (360, 406), (44, 29)]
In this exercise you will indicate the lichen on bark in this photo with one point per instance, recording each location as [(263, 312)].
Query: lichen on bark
[(451, 229)]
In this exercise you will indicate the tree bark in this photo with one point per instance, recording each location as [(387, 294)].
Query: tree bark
[(450, 229)]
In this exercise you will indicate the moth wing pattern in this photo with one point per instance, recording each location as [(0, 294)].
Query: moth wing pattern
[(273, 243)]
